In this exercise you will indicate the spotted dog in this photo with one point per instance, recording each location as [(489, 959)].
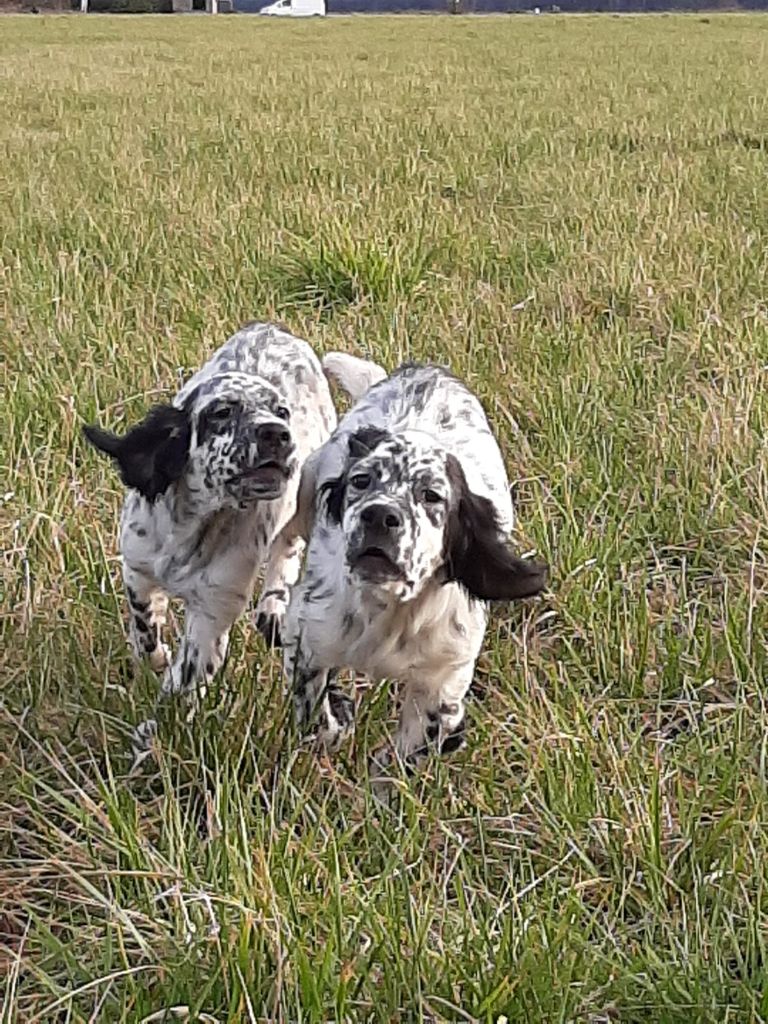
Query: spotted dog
[(406, 509), (212, 479)]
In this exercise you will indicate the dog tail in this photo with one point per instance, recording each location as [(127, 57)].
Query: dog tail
[(354, 375)]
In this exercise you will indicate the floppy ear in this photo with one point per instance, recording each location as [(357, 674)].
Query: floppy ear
[(477, 554), (153, 454), (359, 444)]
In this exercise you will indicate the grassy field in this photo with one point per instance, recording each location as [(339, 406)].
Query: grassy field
[(572, 212)]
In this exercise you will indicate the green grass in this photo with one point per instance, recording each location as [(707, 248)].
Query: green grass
[(572, 212)]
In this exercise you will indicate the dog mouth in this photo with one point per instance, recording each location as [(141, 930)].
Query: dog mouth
[(373, 563), (267, 477)]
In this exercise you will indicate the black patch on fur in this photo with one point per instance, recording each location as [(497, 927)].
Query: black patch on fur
[(477, 554), (269, 627), (363, 441), (189, 670), (153, 454), (135, 603), (341, 706), (333, 491), (419, 395), (309, 689), (456, 739), (449, 743)]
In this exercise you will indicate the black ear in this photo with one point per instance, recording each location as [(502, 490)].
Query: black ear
[(477, 554), (153, 454)]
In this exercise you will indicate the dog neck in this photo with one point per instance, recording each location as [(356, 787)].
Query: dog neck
[(385, 636), (179, 516), (392, 600)]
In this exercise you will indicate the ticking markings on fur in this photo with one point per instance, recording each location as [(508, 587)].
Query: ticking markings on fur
[(406, 509), (212, 478)]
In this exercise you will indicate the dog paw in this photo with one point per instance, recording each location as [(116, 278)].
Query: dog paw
[(160, 658), (180, 681), (337, 724), (269, 616), (330, 738), (142, 742), (173, 682)]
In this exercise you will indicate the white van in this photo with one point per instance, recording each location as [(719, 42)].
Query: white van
[(296, 8)]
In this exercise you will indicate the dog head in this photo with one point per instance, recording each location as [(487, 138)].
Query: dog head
[(230, 442), (408, 516)]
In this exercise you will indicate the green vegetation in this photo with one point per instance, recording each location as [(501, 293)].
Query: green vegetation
[(571, 212)]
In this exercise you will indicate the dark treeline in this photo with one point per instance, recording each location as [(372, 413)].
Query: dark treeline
[(521, 6), (415, 6)]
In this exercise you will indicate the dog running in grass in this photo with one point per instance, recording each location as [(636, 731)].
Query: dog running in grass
[(407, 512), (212, 478)]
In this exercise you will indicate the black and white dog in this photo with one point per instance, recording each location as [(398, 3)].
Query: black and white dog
[(212, 479), (406, 509)]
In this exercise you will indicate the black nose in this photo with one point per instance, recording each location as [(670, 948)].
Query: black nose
[(273, 437), (382, 518)]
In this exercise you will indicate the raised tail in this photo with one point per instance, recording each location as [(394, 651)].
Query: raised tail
[(354, 375)]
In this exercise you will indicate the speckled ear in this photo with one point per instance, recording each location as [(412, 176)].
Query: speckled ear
[(153, 454)]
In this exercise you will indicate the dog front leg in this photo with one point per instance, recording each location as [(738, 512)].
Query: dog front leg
[(200, 656), (284, 562), (148, 607), (432, 719), (318, 700), (281, 573)]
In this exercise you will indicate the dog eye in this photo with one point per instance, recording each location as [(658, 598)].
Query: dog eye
[(432, 497), (222, 413), (282, 412), (360, 481)]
